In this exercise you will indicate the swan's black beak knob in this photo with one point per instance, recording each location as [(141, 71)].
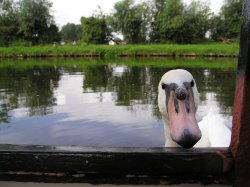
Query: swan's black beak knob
[(181, 93)]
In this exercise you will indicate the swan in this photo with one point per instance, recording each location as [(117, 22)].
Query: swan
[(178, 100)]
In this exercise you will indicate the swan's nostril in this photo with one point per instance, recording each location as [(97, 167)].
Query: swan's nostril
[(181, 93)]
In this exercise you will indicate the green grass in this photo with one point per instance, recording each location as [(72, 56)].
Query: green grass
[(130, 62), (228, 50)]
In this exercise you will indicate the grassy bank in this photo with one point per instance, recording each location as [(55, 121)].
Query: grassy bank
[(213, 50), (82, 63)]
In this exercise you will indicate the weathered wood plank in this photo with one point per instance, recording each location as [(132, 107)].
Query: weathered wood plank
[(102, 165), (240, 144)]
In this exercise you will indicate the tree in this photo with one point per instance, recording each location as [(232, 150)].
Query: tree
[(171, 20), (175, 22), (35, 20), (218, 28), (8, 22), (196, 22), (231, 13), (156, 9), (95, 30), (71, 32), (53, 34), (131, 20), (227, 24)]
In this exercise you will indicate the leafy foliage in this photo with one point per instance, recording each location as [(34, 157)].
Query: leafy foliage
[(154, 21), (36, 22), (96, 30), (26, 21), (174, 21), (8, 22), (71, 32), (227, 24), (178, 23), (130, 20)]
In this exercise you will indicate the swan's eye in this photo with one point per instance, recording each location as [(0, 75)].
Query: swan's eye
[(192, 83), (163, 86)]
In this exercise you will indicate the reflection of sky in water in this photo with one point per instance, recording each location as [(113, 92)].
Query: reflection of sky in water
[(87, 119)]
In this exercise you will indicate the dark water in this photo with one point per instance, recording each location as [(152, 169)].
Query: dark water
[(96, 103)]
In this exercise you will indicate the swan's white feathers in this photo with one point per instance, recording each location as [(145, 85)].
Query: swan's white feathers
[(216, 130), (177, 76)]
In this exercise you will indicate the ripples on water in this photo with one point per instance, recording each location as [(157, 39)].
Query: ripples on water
[(97, 104)]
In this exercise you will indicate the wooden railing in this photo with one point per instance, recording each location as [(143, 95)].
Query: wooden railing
[(146, 165), (115, 165)]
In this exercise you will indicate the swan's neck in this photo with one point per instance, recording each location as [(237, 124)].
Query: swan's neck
[(168, 140)]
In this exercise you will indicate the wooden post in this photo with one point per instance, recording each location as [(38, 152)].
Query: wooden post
[(240, 143)]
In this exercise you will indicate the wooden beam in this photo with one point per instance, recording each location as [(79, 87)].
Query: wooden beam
[(240, 142), (114, 165)]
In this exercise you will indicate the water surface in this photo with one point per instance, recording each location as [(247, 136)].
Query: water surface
[(99, 103)]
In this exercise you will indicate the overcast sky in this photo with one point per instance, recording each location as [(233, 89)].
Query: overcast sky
[(70, 11)]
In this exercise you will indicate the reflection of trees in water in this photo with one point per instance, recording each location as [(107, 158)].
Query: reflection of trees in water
[(138, 86), (135, 87), (4, 117), (221, 82), (27, 88), (96, 78)]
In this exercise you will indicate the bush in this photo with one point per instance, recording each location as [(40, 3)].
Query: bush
[(21, 43)]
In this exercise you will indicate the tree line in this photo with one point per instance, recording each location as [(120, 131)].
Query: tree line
[(150, 21), (27, 21)]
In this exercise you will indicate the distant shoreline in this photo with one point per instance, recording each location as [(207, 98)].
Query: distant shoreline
[(105, 51)]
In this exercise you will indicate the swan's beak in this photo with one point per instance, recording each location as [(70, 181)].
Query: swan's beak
[(184, 129)]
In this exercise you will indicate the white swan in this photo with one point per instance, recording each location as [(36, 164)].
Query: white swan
[(178, 100)]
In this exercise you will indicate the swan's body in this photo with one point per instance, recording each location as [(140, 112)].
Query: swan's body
[(215, 129), (178, 100)]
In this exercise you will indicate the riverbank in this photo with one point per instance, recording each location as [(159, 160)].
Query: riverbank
[(84, 63), (105, 51)]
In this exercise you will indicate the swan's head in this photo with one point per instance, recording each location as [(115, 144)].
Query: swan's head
[(178, 100)]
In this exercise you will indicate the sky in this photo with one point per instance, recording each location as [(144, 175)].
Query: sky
[(70, 11)]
